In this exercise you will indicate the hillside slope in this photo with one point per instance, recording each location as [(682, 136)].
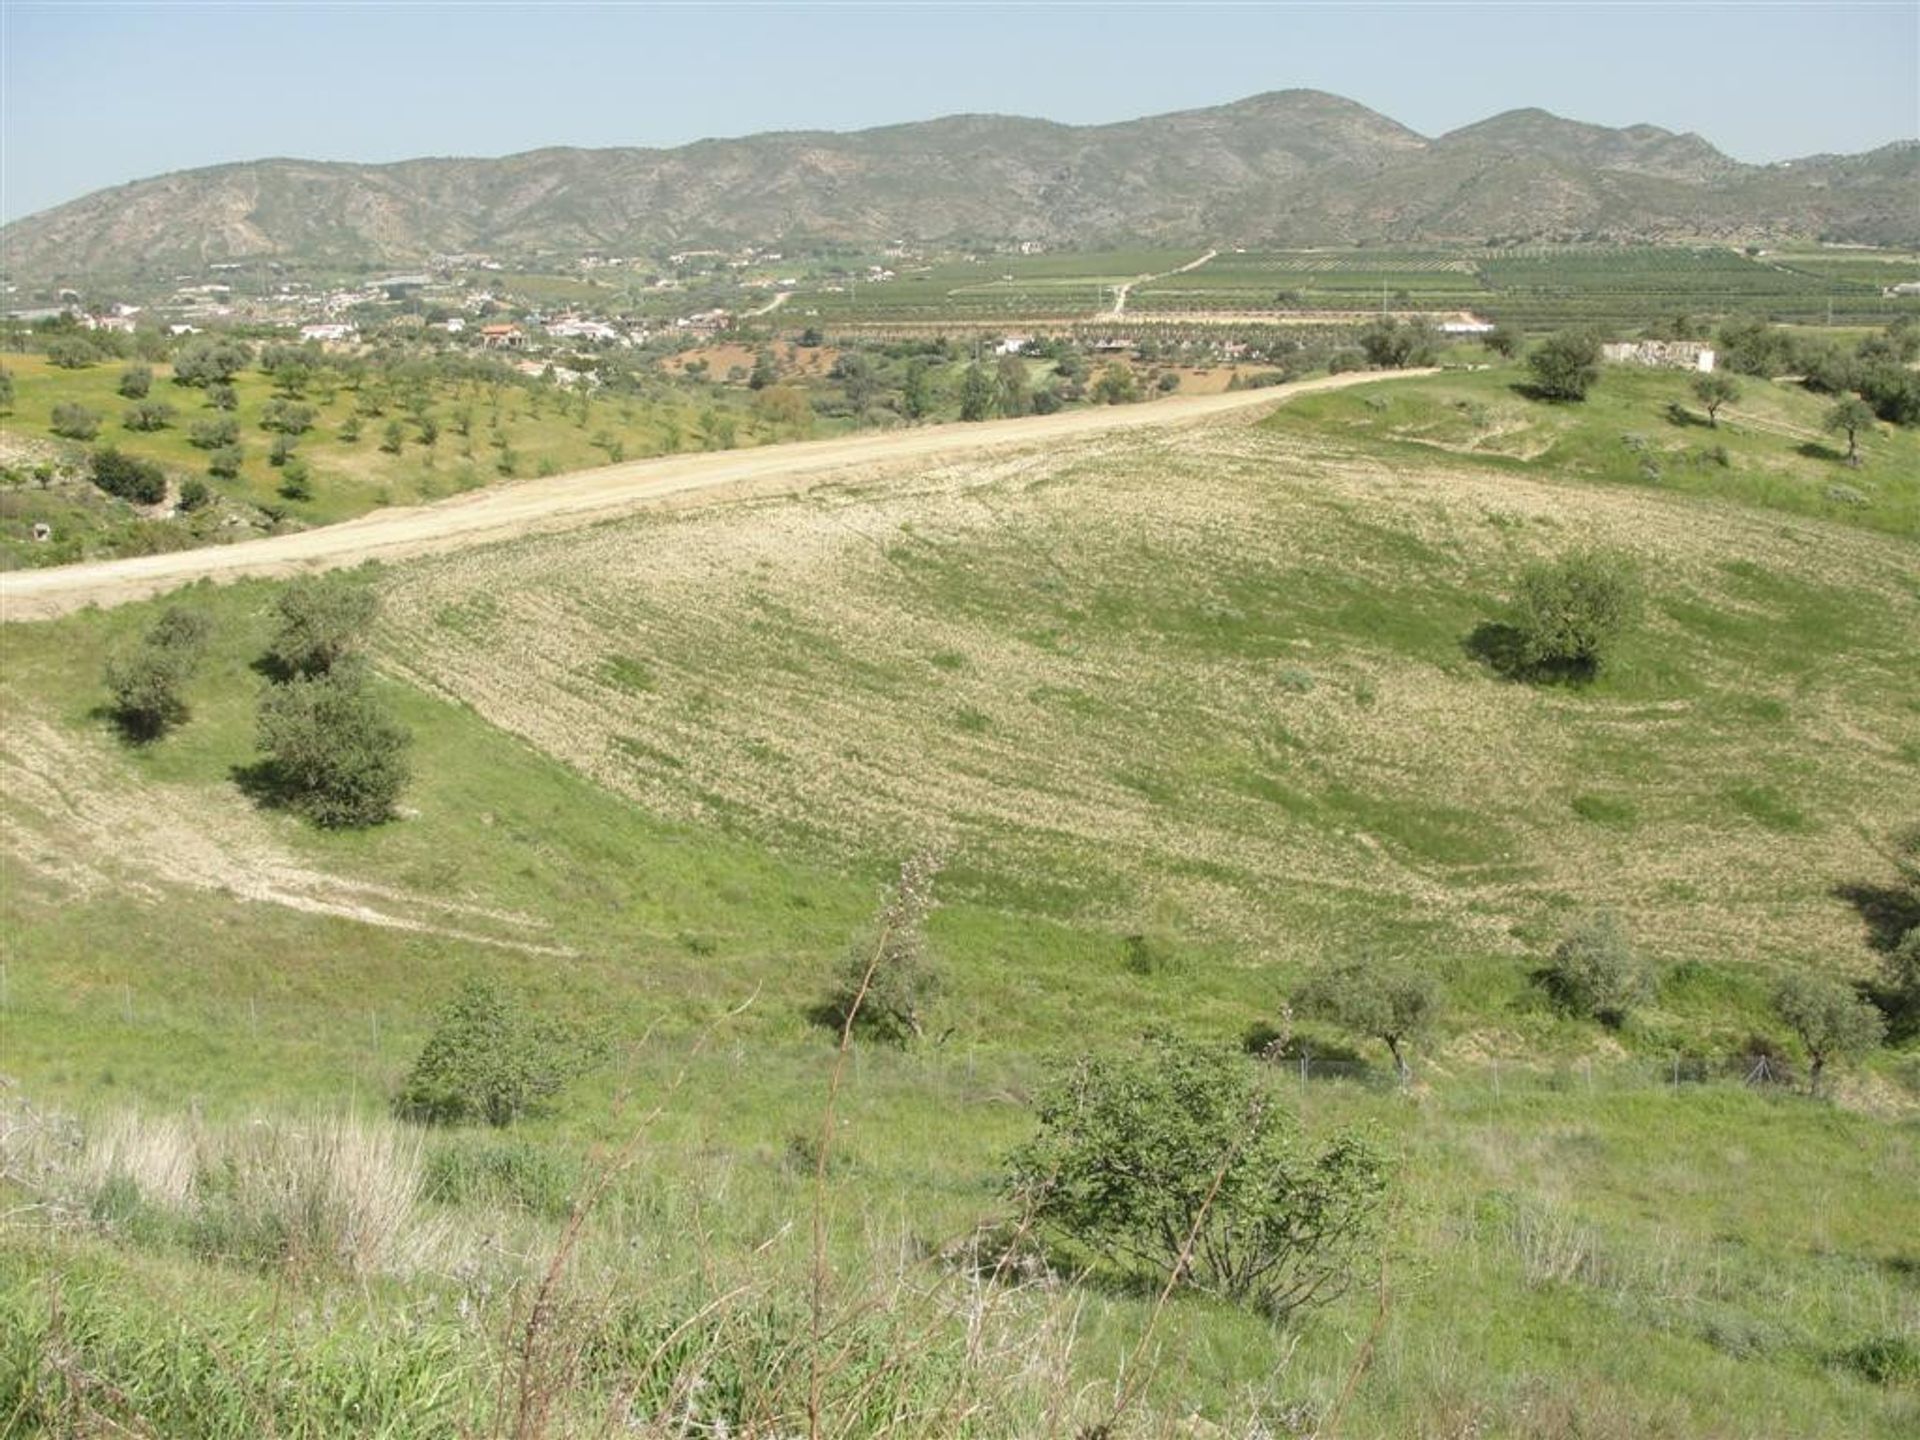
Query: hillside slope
[(1290, 167)]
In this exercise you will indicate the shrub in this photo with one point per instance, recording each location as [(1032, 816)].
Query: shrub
[(70, 352), (1570, 611), (280, 451), (1890, 1360), (1595, 973), (1390, 344), (489, 1060), (139, 481), (148, 681), (287, 418), (74, 422), (1832, 1021), (296, 480), (1177, 1161), (1386, 1000), (222, 396), (225, 462), (333, 752), (136, 381), (210, 361), (1565, 366), (322, 620), (887, 981), (195, 494)]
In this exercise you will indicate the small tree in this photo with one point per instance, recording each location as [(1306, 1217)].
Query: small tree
[(1713, 390), (296, 480), (334, 753), (1831, 1020), (1595, 972), (148, 681), (489, 1060), (1116, 386), (287, 418), (136, 381), (1565, 366), (1177, 1162), (213, 434), (976, 394), (1388, 1001), (1569, 612), (1504, 340), (887, 981), (225, 462), (70, 352), (322, 620), (1852, 417), (147, 415), (222, 396), (210, 360), (74, 422)]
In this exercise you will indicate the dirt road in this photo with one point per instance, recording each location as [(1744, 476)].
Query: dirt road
[(583, 497)]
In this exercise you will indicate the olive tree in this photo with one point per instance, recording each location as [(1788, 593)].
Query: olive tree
[(1595, 973), (1386, 1000), (334, 752), (322, 620), (148, 679), (1713, 390), (1566, 365), (1178, 1163), (1832, 1021), (1851, 417), (1569, 612), (488, 1059)]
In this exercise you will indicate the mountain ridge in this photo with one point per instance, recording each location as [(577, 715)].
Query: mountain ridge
[(1283, 167)]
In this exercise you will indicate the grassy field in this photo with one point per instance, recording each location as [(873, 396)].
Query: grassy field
[(1211, 689)]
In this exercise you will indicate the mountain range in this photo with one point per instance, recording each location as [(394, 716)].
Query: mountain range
[(1294, 167)]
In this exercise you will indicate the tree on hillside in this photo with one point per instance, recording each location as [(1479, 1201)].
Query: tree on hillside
[(148, 680), (147, 415), (1893, 390), (136, 381), (209, 360), (1392, 344), (1569, 612), (1751, 346), (323, 619), (70, 352), (1116, 385), (1389, 1001), (1852, 417), (976, 394), (139, 482), (1504, 340), (1595, 972), (916, 390), (1010, 386), (334, 753), (1713, 390), (488, 1059), (1831, 1020), (74, 422), (1177, 1163), (1566, 365)]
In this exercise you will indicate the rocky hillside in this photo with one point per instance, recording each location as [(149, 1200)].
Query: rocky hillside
[(1293, 167)]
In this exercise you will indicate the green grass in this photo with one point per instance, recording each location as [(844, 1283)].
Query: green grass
[(1208, 690)]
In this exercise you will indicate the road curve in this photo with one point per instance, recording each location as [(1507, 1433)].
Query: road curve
[(582, 497)]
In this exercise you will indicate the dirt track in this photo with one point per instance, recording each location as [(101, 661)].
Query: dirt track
[(582, 497)]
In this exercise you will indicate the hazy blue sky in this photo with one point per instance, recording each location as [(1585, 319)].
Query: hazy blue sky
[(96, 94)]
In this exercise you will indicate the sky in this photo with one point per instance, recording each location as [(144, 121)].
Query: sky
[(96, 94)]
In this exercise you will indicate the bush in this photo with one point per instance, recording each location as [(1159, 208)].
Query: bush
[(136, 381), (296, 480), (1570, 611), (287, 418), (489, 1060), (1178, 1161), (210, 360), (148, 682), (74, 422), (333, 752), (1595, 973), (886, 982), (322, 620), (1392, 345), (195, 494), (1565, 366), (225, 462), (70, 352), (140, 481)]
